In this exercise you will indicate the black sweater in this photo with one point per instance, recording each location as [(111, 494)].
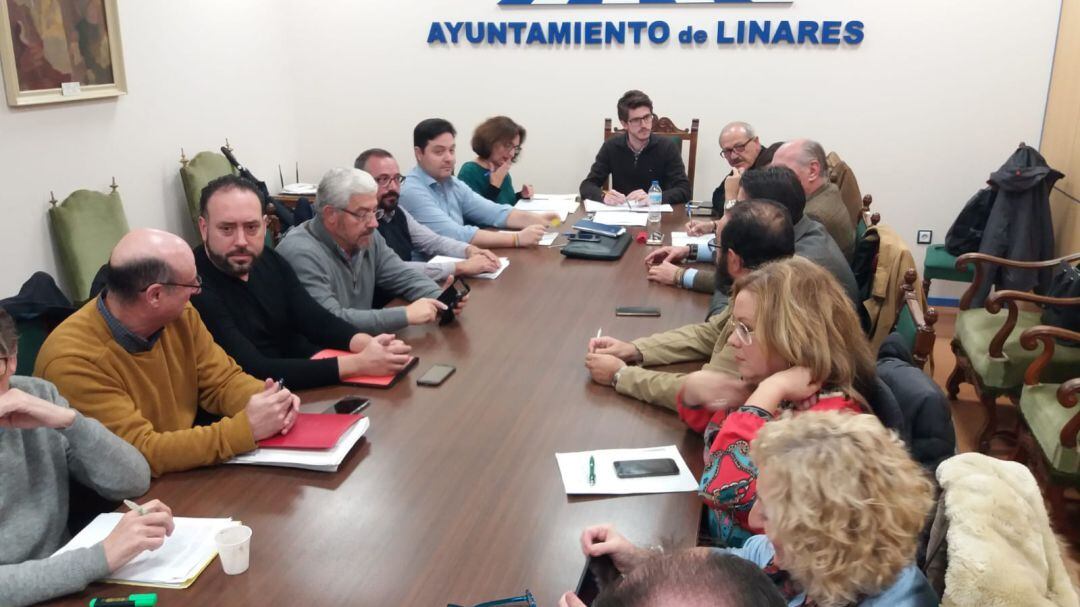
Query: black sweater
[(660, 160), (270, 324)]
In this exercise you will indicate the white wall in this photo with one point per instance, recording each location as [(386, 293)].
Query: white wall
[(934, 99), (195, 77)]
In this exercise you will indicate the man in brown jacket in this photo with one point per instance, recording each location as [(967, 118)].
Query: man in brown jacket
[(756, 232), (823, 201)]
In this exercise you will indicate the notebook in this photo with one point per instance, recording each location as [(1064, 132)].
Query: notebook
[(319, 460), (368, 381), (313, 431), (176, 564), (602, 229)]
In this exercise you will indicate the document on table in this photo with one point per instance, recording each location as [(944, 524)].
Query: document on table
[(504, 261), (574, 468), (320, 460), (621, 218), (176, 564), (682, 239), (548, 238), (540, 203), (594, 206)]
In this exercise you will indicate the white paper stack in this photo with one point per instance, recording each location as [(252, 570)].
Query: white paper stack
[(176, 564), (621, 218), (682, 239), (594, 206), (574, 468), (320, 460), (564, 204), (503, 261), (548, 238)]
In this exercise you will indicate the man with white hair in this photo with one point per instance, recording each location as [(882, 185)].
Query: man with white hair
[(742, 149), (341, 258), (823, 201)]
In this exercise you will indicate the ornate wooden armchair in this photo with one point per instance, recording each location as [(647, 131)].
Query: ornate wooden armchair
[(989, 355), (665, 126), (1050, 422), (205, 167), (915, 324), (86, 226)]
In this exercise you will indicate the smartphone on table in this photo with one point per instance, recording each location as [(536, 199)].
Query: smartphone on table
[(641, 468), (349, 405), (436, 375)]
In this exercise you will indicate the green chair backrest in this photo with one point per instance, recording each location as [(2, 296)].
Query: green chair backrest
[(32, 334), (905, 326), (86, 226), (201, 170), (860, 230)]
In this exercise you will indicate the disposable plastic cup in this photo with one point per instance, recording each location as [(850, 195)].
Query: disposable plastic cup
[(234, 548)]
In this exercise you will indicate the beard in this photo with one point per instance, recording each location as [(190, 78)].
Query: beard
[(230, 266), (388, 201), (724, 279)]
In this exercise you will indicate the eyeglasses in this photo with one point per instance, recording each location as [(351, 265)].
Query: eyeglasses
[(738, 148), (525, 599), (384, 180), (646, 119), (197, 286), (742, 332), (712, 245), (363, 215)]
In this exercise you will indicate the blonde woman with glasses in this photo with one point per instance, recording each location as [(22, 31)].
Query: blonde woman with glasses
[(798, 346), (841, 503)]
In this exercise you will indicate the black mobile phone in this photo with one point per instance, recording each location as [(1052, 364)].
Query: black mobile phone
[(436, 375), (637, 311), (451, 296), (599, 572), (349, 404), (638, 468), (583, 237)]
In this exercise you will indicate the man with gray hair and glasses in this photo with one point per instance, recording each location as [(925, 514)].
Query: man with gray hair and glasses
[(341, 259), (742, 149)]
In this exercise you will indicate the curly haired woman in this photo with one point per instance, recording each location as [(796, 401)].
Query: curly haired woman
[(842, 504)]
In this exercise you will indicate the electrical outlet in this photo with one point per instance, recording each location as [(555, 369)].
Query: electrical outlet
[(924, 236)]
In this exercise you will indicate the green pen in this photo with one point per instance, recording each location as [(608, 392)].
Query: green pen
[(592, 474), (134, 600)]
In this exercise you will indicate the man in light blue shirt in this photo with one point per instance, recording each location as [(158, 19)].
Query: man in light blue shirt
[(442, 202)]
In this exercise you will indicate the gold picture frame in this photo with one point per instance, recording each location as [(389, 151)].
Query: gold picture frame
[(54, 51)]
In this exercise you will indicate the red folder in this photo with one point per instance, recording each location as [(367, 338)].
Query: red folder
[(369, 381), (313, 431)]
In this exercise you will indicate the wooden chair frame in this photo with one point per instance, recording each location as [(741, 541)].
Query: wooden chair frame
[(666, 127), (924, 322), (1068, 395), (963, 371)]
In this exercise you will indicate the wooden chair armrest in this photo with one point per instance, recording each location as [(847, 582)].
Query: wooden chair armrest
[(1008, 298), (1067, 396), (924, 323), (981, 260), (1030, 339)]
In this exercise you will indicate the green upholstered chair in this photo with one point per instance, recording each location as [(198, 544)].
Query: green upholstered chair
[(989, 355), (915, 325), (196, 173), (664, 126), (86, 226), (941, 265), (1050, 422)]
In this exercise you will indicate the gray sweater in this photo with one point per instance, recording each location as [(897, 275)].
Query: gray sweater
[(34, 469), (345, 286)]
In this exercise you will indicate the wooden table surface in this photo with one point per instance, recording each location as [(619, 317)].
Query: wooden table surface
[(454, 495)]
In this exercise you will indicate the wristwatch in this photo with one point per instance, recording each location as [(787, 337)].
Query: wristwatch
[(693, 252), (730, 203), (615, 378)]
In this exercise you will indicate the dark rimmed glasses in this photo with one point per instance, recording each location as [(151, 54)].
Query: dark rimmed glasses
[(197, 286), (738, 148), (363, 215), (646, 119), (385, 180)]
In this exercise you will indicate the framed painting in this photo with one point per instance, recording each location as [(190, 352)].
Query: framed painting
[(60, 50)]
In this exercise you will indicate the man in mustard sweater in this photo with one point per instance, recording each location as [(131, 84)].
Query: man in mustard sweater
[(138, 359)]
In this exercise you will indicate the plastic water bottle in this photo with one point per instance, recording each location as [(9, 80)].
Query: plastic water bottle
[(656, 195)]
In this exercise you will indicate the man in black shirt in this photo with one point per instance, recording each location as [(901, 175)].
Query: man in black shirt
[(742, 149), (635, 158), (256, 308)]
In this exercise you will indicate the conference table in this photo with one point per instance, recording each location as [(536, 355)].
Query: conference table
[(454, 494)]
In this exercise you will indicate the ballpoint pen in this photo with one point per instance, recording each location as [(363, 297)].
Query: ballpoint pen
[(135, 507)]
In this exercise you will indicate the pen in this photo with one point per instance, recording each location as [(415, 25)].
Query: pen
[(133, 600), (592, 470), (135, 507), (281, 383)]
